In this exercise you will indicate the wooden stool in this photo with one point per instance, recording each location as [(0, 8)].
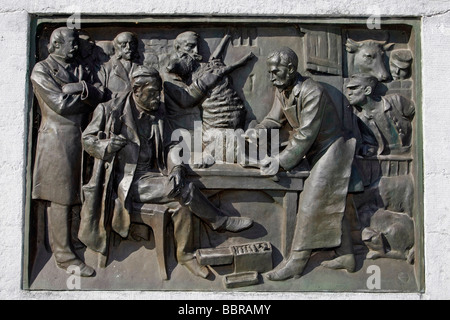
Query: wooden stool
[(155, 216)]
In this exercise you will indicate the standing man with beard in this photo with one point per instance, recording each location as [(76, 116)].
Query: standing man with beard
[(115, 74), (182, 93), (66, 96)]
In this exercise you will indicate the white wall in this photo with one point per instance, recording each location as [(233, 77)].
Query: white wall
[(14, 36)]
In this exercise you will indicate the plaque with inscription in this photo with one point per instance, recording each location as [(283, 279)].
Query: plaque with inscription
[(224, 154)]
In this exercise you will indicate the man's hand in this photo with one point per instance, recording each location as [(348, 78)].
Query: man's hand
[(116, 143), (269, 166), (208, 160), (177, 176), (208, 80), (368, 151), (252, 135), (73, 88)]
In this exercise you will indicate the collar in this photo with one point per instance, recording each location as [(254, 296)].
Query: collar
[(295, 88), (386, 105), (66, 65), (298, 85)]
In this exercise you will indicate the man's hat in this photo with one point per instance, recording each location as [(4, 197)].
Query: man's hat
[(144, 72), (401, 58), (358, 79)]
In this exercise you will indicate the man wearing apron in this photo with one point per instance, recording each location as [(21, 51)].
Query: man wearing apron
[(317, 135)]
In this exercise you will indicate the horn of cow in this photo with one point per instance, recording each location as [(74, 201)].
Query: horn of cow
[(351, 45), (388, 46), (384, 42)]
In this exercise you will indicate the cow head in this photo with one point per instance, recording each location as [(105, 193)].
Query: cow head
[(368, 57)]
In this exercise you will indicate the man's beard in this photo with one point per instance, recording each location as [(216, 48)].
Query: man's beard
[(149, 106), (129, 56), (126, 56), (184, 65)]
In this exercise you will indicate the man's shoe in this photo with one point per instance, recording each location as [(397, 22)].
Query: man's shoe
[(346, 262), (86, 271), (77, 267), (236, 224), (291, 267)]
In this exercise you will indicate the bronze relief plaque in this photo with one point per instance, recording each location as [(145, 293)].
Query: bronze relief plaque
[(224, 153)]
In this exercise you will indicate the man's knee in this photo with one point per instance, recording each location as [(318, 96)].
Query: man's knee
[(187, 194)]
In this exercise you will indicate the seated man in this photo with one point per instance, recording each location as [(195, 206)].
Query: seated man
[(127, 134)]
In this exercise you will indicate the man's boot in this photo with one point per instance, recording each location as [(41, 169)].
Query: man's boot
[(185, 229), (60, 239), (345, 255), (292, 267), (196, 201)]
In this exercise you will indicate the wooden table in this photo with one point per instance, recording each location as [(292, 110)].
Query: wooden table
[(236, 177)]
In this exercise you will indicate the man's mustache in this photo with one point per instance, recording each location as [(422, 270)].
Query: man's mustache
[(193, 55)]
